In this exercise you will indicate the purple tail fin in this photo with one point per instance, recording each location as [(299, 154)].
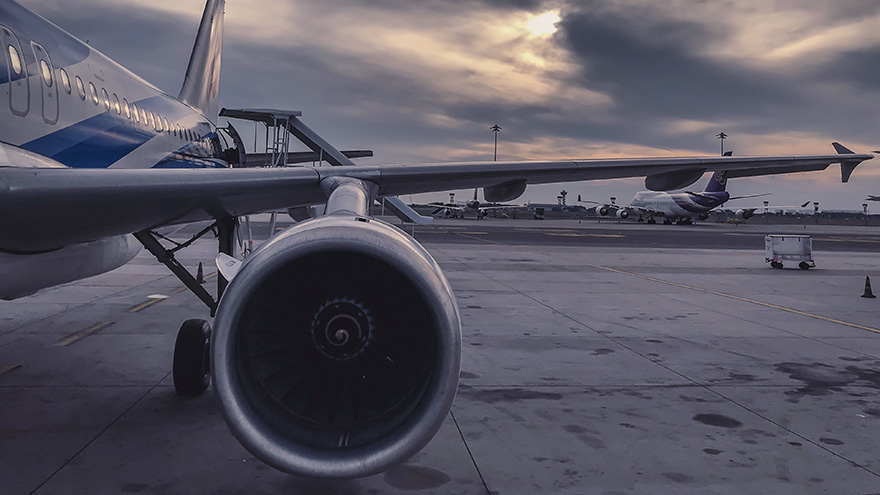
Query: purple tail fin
[(717, 183)]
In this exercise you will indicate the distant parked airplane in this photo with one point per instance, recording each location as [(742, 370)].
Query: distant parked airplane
[(680, 208), (457, 209)]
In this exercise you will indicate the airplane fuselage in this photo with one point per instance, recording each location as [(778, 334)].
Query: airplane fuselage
[(679, 205), (69, 102)]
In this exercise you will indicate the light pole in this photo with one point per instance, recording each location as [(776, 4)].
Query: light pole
[(496, 129), (721, 136)]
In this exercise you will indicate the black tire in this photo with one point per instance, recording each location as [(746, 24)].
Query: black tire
[(191, 369), (804, 265)]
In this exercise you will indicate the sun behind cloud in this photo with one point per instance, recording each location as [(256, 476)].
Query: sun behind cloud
[(543, 25)]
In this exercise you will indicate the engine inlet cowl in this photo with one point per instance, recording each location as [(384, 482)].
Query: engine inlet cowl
[(336, 348)]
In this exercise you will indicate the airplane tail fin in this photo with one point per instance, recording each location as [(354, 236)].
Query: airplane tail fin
[(202, 82), (717, 183)]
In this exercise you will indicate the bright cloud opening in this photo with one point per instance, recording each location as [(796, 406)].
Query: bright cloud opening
[(544, 25)]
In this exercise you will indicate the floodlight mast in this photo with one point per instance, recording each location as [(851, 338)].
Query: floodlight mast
[(496, 129)]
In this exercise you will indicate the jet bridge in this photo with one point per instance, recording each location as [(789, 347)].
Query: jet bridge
[(280, 125)]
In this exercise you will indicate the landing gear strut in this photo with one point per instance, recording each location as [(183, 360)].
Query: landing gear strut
[(191, 368)]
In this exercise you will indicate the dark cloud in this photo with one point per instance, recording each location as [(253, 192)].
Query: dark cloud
[(443, 5), (652, 66), (861, 68)]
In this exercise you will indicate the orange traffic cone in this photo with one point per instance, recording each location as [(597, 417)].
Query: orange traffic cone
[(868, 292)]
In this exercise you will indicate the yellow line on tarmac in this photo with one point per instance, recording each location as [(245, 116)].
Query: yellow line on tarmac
[(739, 298), (145, 305), (8, 368), (76, 337)]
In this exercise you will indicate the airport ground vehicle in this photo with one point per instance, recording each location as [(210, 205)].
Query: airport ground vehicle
[(794, 248)]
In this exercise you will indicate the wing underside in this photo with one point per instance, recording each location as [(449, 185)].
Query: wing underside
[(45, 208)]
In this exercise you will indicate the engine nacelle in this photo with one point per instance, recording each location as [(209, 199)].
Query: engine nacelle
[(623, 213), (744, 214), (604, 211), (337, 348)]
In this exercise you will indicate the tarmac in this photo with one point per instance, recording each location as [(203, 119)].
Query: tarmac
[(598, 358)]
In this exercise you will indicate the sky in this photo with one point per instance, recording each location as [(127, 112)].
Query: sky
[(424, 81)]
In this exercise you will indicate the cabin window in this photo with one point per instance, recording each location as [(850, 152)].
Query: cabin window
[(94, 92), (105, 98), (135, 113), (144, 116), (126, 108), (65, 81), (15, 59), (116, 105), (152, 120), (165, 124), (80, 88), (46, 73)]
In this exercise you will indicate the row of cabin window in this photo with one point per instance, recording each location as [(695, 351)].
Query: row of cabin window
[(157, 122), (131, 110)]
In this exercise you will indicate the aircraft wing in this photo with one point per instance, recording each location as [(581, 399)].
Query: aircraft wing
[(44, 206)]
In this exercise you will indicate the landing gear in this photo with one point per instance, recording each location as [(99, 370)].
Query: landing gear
[(192, 364), (776, 264), (651, 221), (667, 222)]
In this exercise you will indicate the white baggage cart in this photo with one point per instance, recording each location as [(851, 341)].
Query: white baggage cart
[(794, 248)]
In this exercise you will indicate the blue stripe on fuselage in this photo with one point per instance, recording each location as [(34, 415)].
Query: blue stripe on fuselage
[(102, 140), (97, 142)]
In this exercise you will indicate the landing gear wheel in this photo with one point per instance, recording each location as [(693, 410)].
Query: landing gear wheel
[(776, 264), (192, 365), (651, 221), (804, 265)]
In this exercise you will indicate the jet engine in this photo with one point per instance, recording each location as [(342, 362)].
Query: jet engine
[(604, 211), (623, 213), (744, 214), (337, 348)]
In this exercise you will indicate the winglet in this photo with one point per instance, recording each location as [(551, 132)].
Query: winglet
[(846, 166), (841, 149)]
